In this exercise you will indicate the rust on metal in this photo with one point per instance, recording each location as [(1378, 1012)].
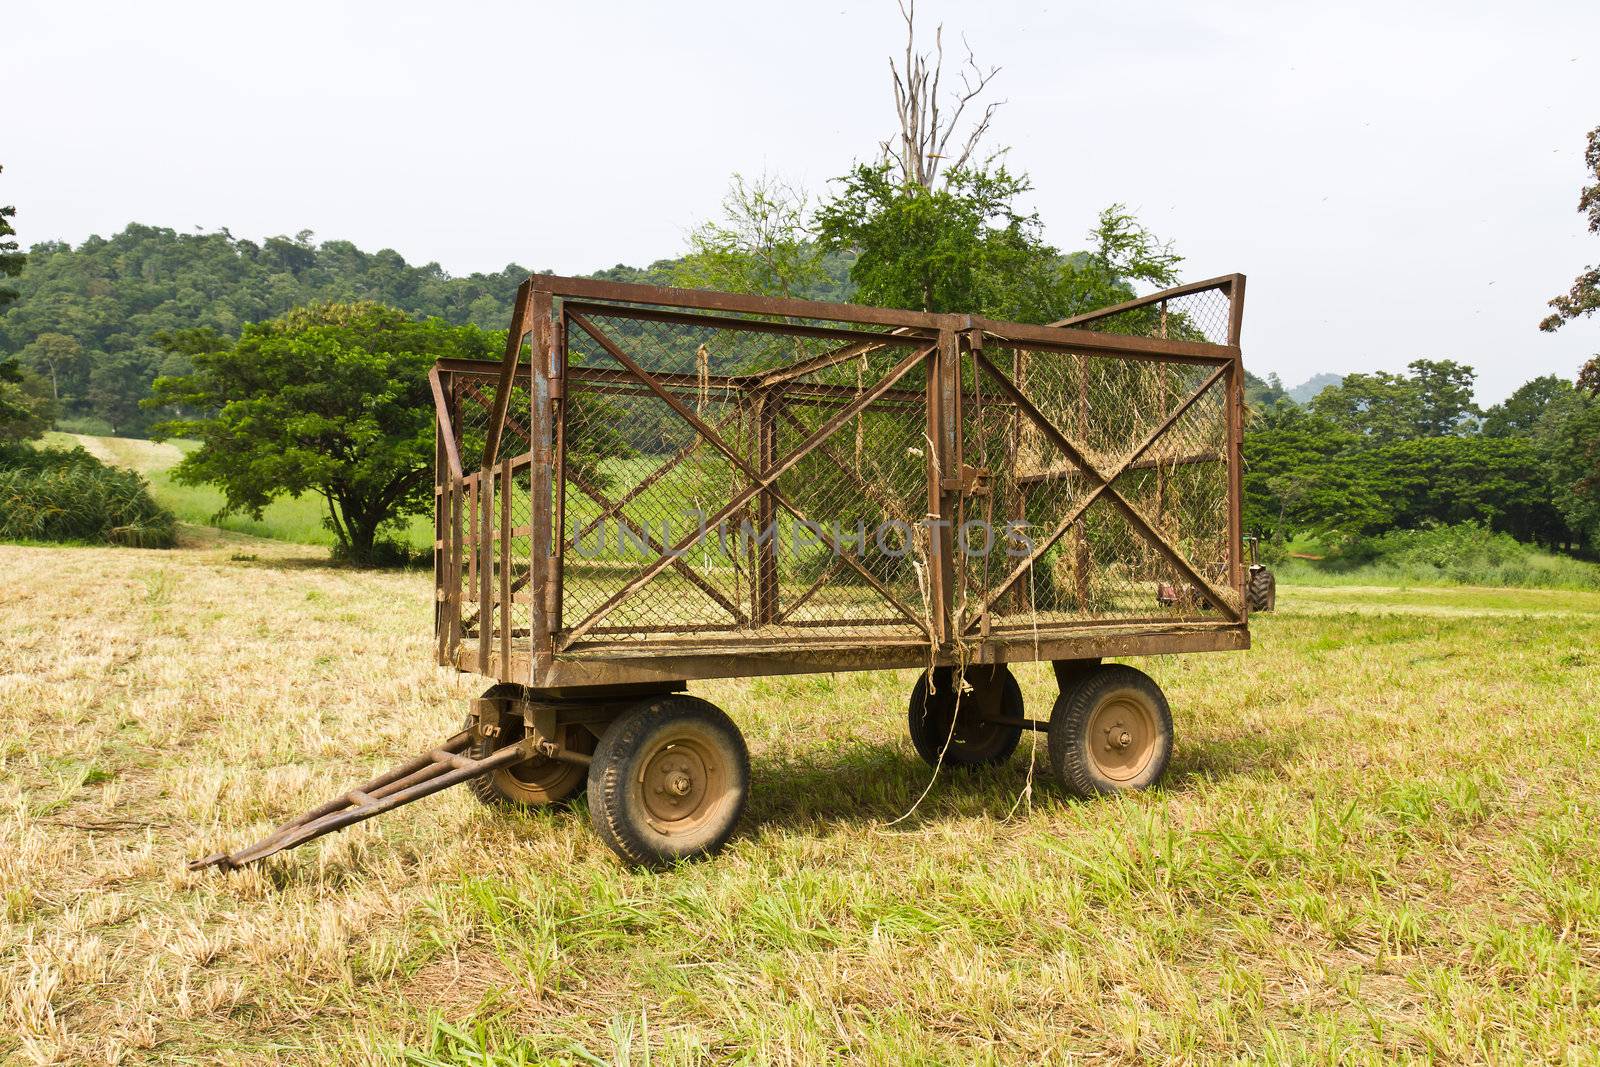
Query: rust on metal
[(656, 485)]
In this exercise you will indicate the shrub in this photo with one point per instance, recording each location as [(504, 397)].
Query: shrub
[(1466, 553), (69, 495)]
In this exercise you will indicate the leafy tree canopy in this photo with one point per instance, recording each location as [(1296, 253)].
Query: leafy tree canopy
[(11, 258), (24, 411), (1434, 399), (330, 398), (761, 245), (961, 246), (1303, 473), (1568, 434), (964, 245), (1518, 415), (1584, 296)]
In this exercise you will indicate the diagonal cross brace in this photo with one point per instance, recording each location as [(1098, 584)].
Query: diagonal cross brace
[(759, 480), (678, 564), (1103, 487)]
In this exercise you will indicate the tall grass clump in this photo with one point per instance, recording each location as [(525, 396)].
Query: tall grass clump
[(1462, 554), (68, 495)]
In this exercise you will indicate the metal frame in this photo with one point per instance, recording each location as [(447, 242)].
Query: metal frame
[(474, 532)]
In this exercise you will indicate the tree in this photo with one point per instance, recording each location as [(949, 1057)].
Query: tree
[(930, 228), (118, 384), (760, 245), (331, 398), (1435, 399), (1121, 251), (1502, 483), (960, 247), (58, 357), (924, 140), (1568, 435), (1518, 415), (26, 410), (1303, 473), (23, 414), (937, 228), (1444, 397), (11, 258), (1584, 296), (1265, 394)]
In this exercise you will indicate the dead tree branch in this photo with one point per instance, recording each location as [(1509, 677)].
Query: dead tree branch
[(925, 133)]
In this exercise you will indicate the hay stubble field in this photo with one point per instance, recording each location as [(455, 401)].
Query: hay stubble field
[(1378, 840)]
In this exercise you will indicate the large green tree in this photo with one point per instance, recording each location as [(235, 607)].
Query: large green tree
[(12, 258), (1502, 483), (1568, 434), (936, 224), (331, 399), (1434, 399), (759, 244), (1303, 473), (25, 408), (960, 246), (1518, 415), (24, 413), (61, 359), (965, 245), (1584, 296)]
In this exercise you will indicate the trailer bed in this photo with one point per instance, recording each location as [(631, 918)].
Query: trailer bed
[(661, 482)]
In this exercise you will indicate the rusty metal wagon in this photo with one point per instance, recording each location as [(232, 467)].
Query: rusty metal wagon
[(657, 486)]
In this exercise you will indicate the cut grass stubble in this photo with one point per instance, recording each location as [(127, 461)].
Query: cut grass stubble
[(1377, 841)]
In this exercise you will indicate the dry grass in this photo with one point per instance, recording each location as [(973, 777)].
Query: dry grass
[(1378, 841)]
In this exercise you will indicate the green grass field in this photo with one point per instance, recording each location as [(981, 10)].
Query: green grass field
[(1377, 842), (297, 519)]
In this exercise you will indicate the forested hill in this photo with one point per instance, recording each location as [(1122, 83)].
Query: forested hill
[(87, 317)]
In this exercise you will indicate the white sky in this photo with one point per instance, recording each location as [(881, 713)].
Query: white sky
[(1398, 180)]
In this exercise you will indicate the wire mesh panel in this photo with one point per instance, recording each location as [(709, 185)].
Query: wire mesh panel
[(730, 476), (1204, 314), (1107, 495), (685, 479)]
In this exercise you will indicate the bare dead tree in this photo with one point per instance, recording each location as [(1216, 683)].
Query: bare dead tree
[(926, 133)]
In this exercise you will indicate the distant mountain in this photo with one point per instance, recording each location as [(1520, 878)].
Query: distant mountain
[(1306, 390)]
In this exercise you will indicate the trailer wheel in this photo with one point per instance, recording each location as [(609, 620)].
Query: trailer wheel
[(669, 781), (534, 782), (1110, 732), (973, 740)]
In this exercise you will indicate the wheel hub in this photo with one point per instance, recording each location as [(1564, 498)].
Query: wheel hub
[(679, 783), (1124, 737)]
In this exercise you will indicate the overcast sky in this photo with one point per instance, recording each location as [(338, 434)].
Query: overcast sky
[(1398, 180)]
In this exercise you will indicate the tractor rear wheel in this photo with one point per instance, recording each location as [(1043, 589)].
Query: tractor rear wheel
[(535, 782), (1261, 589), (1111, 732), (669, 781), (955, 727)]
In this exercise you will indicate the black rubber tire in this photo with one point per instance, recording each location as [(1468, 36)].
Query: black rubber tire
[(973, 742), (628, 814), (1116, 692), (533, 783), (1261, 589)]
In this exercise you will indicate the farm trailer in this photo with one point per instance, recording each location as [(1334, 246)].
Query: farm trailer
[(657, 486)]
